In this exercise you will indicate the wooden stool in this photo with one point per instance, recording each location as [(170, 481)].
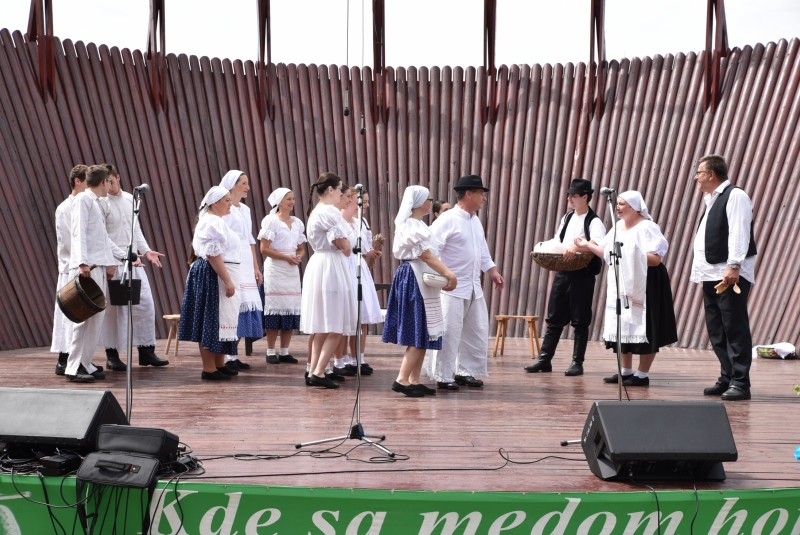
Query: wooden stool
[(174, 322), (502, 327)]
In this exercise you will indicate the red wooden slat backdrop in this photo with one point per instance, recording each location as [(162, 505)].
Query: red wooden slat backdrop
[(652, 131)]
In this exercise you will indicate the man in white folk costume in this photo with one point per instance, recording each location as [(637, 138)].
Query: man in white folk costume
[(117, 209), (464, 250), (62, 327)]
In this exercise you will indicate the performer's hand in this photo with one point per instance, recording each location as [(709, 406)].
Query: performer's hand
[(570, 252), (296, 260), (230, 289), (497, 279), (579, 242), (138, 263), (110, 270), (731, 276), (259, 277), (84, 271), (152, 257), (452, 282)]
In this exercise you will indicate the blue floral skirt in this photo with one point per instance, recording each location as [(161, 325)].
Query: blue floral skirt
[(200, 309), (406, 323)]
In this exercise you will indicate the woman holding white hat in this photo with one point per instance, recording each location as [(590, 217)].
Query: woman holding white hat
[(414, 312), (210, 309), (282, 238), (240, 221), (649, 322)]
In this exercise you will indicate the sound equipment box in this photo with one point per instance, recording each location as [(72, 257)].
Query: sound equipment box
[(49, 418), (658, 440)]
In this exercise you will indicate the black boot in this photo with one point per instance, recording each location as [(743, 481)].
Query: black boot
[(549, 344), (578, 353), (147, 357), (113, 361)]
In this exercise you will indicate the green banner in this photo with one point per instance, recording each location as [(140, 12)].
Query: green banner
[(224, 509)]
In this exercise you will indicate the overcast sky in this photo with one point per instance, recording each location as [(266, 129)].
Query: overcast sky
[(418, 32)]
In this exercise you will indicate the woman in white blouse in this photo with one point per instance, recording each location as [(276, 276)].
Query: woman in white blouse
[(282, 238), (241, 222), (210, 309), (328, 307), (414, 312), (649, 322)]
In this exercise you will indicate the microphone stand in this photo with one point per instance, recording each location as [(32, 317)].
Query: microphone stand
[(127, 280), (357, 431), (616, 254)]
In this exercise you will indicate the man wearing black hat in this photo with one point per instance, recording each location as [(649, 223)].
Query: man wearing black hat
[(465, 343), (571, 295)]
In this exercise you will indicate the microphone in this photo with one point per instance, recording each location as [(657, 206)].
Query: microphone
[(363, 130), (359, 187), (347, 101), (607, 191), (142, 189)]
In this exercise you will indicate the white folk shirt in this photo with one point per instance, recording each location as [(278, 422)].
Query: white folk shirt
[(575, 229), (118, 211), (64, 233), (90, 243), (464, 250), (740, 215)]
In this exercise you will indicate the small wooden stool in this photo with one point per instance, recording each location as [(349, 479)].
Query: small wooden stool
[(502, 327), (174, 322)]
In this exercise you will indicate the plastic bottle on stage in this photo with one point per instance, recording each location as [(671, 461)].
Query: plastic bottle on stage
[(797, 453)]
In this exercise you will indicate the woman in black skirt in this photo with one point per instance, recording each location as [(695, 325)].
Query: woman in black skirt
[(210, 309), (414, 312), (649, 322)]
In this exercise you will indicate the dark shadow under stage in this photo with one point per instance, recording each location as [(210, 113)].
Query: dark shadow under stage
[(455, 435)]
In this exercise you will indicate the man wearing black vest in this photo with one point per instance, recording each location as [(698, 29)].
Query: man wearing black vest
[(571, 295), (724, 252)]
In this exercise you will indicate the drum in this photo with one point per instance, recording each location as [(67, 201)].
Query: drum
[(80, 299)]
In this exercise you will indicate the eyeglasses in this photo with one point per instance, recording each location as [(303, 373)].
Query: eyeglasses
[(698, 173)]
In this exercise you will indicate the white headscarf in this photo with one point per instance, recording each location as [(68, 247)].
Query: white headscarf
[(413, 197), (213, 195), (276, 197), (635, 200), (230, 178)]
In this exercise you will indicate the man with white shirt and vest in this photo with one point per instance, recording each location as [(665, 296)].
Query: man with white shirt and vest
[(118, 211), (62, 327), (572, 292), (724, 263), (464, 250), (92, 254)]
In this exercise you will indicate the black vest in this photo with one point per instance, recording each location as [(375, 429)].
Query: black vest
[(595, 264), (717, 230)]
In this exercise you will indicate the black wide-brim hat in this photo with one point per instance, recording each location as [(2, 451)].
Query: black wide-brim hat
[(470, 182), (580, 186)]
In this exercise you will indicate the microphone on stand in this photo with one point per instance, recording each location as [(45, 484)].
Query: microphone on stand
[(359, 187), (363, 130), (607, 191), (142, 189), (346, 101)]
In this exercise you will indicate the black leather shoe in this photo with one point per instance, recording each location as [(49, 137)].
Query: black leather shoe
[(147, 357), (335, 377), (366, 369), (97, 373), (347, 372), (428, 391), (215, 376), (736, 393), (308, 381), (407, 390), (273, 359), (113, 361), (224, 370), (287, 359), (539, 366), (614, 379), (717, 390), (61, 368), (576, 368), (468, 380), (239, 365), (81, 377), (326, 381), (444, 385), (636, 381)]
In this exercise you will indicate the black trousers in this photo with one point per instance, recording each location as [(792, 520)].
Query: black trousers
[(570, 302), (728, 324)]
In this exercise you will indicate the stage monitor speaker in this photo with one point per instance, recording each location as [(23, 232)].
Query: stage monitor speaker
[(658, 440), (68, 419)]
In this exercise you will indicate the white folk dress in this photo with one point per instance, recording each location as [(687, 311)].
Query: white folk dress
[(370, 306), (282, 291), (250, 308)]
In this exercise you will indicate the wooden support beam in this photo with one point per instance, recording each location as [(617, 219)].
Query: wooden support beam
[(264, 68), (716, 24), (40, 29), (597, 66), (155, 55)]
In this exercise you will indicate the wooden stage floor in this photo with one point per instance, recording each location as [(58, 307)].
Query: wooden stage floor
[(452, 440)]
